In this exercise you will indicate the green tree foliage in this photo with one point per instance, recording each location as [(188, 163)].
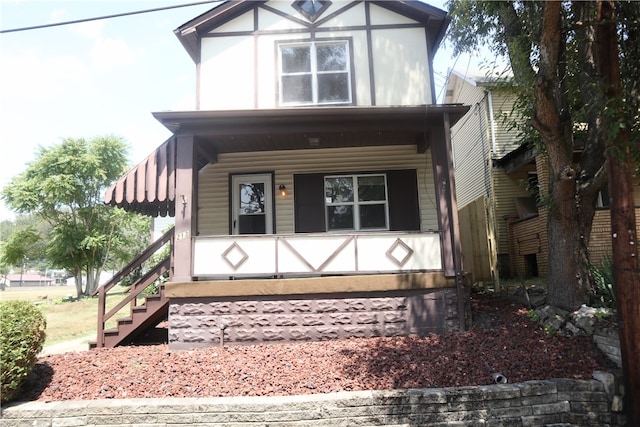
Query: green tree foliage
[(23, 333), (22, 240), (21, 245), (552, 51), (64, 186)]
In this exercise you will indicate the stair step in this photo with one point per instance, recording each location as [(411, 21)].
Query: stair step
[(140, 317)]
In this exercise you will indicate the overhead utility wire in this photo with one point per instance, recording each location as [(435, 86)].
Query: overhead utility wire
[(117, 15)]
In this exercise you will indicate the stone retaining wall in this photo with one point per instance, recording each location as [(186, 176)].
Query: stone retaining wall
[(560, 402), (608, 342)]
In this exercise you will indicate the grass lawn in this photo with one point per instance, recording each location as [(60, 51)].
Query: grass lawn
[(66, 320)]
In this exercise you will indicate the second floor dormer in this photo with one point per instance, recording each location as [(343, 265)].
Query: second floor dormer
[(311, 53)]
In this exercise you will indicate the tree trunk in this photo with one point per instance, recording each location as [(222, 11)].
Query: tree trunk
[(78, 277), (92, 280), (566, 280)]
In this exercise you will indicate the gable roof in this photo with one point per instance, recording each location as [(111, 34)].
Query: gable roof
[(435, 20)]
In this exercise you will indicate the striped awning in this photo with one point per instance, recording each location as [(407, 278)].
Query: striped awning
[(149, 187)]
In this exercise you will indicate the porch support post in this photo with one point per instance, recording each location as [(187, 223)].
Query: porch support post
[(186, 207), (448, 211)]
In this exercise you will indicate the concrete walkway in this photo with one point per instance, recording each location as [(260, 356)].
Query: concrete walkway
[(80, 344)]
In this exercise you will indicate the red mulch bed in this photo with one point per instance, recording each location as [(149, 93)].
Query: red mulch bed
[(503, 340)]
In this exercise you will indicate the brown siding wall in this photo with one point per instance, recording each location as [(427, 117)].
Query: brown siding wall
[(204, 322), (529, 236), (600, 242)]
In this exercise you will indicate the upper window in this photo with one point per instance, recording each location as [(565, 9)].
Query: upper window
[(315, 73), (356, 202)]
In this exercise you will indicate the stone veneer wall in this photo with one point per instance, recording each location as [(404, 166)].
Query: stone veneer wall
[(560, 402), (207, 321)]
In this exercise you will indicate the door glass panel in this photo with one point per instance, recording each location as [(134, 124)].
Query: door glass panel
[(252, 224), (252, 204), (252, 198)]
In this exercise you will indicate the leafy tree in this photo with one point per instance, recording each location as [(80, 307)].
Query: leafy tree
[(23, 242), (552, 52), (64, 187)]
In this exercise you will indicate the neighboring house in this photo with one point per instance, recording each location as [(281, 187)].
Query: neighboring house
[(311, 187), (487, 196), (500, 185), (29, 279)]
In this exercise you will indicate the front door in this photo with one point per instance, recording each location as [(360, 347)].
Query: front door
[(252, 204)]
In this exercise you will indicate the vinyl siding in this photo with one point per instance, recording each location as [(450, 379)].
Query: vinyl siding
[(213, 180), (470, 144), (506, 140)]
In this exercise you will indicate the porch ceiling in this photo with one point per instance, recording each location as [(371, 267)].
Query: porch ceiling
[(149, 187), (303, 128)]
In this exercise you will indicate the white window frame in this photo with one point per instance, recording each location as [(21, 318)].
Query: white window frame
[(356, 203), (314, 72)]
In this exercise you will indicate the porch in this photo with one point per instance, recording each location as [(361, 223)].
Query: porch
[(367, 212)]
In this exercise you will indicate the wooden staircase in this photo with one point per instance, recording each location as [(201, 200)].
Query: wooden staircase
[(142, 317)]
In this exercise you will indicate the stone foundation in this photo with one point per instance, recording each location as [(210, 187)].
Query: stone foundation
[(206, 321)]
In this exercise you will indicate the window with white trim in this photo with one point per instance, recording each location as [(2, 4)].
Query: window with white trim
[(356, 202), (314, 73)]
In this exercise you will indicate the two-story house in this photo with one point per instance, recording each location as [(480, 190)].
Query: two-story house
[(311, 186)]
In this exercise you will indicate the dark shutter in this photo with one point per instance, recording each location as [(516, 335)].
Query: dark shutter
[(309, 203), (404, 210)]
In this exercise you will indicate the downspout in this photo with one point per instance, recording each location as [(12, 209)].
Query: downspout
[(492, 123)]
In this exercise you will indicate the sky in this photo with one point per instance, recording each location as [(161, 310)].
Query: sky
[(103, 77)]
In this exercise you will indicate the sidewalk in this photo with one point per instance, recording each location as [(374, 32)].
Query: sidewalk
[(80, 344)]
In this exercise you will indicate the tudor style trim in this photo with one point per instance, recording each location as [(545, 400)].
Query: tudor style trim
[(433, 19)]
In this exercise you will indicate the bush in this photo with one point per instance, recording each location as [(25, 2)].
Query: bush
[(22, 327)]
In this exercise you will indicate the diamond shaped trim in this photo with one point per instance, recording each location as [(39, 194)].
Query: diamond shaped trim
[(311, 9), (397, 249), (235, 256)]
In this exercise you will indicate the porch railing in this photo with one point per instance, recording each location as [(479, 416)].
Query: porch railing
[(138, 286), (295, 255)]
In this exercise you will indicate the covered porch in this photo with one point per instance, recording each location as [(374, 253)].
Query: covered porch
[(294, 259)]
